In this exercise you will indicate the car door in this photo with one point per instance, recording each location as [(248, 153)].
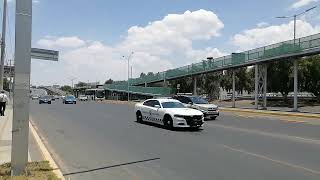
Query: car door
[(146, 110), (154, 112)]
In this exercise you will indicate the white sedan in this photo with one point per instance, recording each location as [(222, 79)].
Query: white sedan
[(168, 112)]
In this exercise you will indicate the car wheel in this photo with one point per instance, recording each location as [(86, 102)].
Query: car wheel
[(39, 102), (139, 117), (49, 102), (75, 103), (168, 122)]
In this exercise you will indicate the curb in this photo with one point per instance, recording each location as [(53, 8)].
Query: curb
[(45, 153), (278, 113)]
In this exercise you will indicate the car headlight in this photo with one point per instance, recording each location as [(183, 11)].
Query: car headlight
[(178, 116)]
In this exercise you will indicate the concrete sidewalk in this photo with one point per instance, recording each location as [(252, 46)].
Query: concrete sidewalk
[(5, 135), (6, 138), (270, 112)]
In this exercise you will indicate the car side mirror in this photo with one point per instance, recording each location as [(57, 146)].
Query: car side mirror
[(157, 106)]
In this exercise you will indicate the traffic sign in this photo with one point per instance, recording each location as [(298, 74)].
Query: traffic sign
[(44, 54)]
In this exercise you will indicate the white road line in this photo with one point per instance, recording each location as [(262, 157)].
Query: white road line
[(274, 135), (45, 153), (273, 160)]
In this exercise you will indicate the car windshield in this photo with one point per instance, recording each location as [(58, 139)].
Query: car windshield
[(70, 97), (172, 105), (46, 97), (198, 100)]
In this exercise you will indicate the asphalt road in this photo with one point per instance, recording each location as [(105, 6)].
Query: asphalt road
[(102, 141)]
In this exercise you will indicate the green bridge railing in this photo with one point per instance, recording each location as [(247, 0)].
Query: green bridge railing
[(139, 89), (235, 59)]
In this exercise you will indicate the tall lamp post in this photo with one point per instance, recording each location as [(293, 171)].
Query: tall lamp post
[(3, 42), (295, 62), (129, 57)]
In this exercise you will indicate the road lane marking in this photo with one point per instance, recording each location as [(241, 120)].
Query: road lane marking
[(271, 159), (45, 153), (292, 121), (272, 117), (274, 135)]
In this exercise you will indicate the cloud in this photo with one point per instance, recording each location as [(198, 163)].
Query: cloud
[(262, 36), (62, 42), (173, 36), (301, 3), (262, 24), (158, 46)]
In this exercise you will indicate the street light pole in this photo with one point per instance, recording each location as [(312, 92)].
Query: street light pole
[(295, 61), (3, 42), (129, 74)]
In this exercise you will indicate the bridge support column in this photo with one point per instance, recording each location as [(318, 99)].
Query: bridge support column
[(233, 89), (195, 85), (261, 73), (295, 85), (256, 85), (165, 84), (265, 74)]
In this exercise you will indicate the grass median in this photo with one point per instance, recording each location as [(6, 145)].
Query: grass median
[(34, 171)]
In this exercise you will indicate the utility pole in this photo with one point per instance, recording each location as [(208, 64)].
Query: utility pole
[(20, 124), (129, 74), (3, 42), (72, 79), (10, 76)]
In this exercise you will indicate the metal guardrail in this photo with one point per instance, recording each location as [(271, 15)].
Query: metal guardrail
[(301, 46), (139, 89)]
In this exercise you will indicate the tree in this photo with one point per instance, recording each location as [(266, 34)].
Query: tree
[(150, 74), (243, 80), (210, 84), (280, 77), (142, 75), (109, 81), (81, 84), (185, 85), (226, 81), (309, 75), (66, 88), (249, 85)]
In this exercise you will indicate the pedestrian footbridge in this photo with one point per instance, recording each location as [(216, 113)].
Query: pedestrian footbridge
[(304, 46)]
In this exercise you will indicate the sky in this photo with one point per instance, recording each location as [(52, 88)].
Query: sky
[(95, 37)]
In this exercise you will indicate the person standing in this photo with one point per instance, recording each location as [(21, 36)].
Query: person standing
[(3, 102)]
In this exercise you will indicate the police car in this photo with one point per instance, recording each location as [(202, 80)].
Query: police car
[(168, 112)]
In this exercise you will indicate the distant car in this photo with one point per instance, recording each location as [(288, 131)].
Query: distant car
[(45, 100), (168, 112), (83, 98), (34, 97), (210, 111), (69, 99)]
